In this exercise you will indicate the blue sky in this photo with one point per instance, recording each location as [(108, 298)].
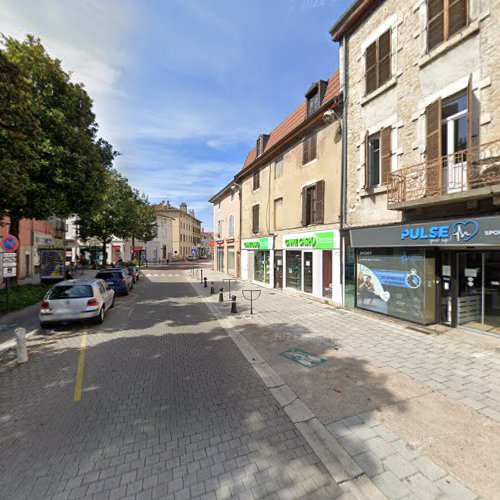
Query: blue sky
[(182, 88)]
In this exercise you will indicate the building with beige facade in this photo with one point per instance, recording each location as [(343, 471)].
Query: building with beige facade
[(421, 82), (226, 250), (290, 199), (186, 229)]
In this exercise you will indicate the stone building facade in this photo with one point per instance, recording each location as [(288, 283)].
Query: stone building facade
[(421, 81), (290, 199), (226, 249)]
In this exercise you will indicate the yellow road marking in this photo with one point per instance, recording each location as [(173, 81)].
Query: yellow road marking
[(81, 364)]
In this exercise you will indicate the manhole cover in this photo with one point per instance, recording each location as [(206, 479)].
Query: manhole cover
[(303, 358)]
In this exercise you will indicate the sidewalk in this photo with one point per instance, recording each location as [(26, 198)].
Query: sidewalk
[(419, 413)]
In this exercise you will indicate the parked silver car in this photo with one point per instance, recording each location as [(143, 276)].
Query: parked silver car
[(76, 300)]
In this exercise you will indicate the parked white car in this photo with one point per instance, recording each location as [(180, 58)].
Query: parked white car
[(76, 300)]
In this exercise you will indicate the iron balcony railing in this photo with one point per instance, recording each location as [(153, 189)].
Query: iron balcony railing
[(465, 170)]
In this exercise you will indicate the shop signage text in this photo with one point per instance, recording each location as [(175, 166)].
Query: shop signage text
[(478, 231), (258, 244), (323, 240)]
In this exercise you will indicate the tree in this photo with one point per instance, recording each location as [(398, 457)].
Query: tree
[(143, 226), (56, 163), (112, 217)]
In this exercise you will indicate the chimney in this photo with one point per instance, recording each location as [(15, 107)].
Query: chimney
[(191, 212), (183, 206)]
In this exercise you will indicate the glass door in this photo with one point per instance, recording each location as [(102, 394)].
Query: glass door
[(308, 272), (278, 269), (294, 270), (470, 289), (445, 273), (492, 291)]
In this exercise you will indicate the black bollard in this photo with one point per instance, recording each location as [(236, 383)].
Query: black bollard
[(201, 279), (212, 288), (205, 282), (233, 304), (221, 294)]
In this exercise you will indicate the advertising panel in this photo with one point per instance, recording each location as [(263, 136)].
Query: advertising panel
[(52, 264), (392, 282), (266, 243)]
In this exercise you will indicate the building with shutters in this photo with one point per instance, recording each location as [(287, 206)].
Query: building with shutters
[(226, 236), (290, 199), (421, 214)]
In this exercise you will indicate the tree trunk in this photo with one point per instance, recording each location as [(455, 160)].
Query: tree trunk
[(104, 255), (14, 225)]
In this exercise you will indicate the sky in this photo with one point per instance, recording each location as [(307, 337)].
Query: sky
[(183, 88)]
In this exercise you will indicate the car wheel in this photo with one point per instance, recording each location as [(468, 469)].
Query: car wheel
[(44, 325), (125, 292), (100, 319)]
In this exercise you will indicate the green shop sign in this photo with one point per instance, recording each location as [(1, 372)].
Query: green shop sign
[(257, 244), (319, 241)]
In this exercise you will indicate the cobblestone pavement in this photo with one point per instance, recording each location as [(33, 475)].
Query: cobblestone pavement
[(452, 371), (170, 409)]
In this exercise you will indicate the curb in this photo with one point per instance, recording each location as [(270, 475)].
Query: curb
[(347, 474)]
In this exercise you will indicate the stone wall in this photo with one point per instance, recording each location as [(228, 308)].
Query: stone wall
[(417, 79)]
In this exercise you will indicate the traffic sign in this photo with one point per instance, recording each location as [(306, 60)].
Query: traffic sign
[(9, 243), (193, 251), (9, 272)]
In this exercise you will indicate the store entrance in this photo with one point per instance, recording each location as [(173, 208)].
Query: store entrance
[(278, 269), (478, 302)]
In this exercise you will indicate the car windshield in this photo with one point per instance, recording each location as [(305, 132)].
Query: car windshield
[(71, 292), (106, 275)]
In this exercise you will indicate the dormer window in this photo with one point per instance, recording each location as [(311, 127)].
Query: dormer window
[(315, 96), (261, 144)]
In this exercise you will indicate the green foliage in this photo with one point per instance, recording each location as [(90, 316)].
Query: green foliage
[(55, 161), (142, 218), (22, 296)]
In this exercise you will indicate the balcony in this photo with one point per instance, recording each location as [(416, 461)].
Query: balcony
[(469, 174)]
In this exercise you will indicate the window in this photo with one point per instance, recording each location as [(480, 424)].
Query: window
[(377, 158), (278, 167), (218, 205), (219, 228), (255, 219), (256, 180), (309, 151), (258, 148), (378, 62), (313, 103), (231, 226), (313, 203), (278, 213), (444, 19), (232, 195)]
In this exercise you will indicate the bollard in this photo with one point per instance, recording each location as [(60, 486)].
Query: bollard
[(221, 294), (212, 288), (205, 282), (233, 304), (22, 352), (201, 279)]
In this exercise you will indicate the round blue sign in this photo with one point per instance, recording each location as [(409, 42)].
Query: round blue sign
[(9, 243)]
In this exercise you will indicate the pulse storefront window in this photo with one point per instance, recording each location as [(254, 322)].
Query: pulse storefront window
[(391, 281)]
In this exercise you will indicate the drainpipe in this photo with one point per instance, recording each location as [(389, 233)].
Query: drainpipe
[(343, 191)]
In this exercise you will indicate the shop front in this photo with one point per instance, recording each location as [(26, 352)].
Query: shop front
[(257, 260), (312, 263), (444, 272)]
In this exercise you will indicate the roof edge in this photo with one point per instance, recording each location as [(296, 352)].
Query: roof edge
[(227, 188), (354, 13)]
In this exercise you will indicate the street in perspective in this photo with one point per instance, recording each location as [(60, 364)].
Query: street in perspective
[(250, 250)]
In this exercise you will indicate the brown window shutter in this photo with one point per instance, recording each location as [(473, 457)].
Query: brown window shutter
[(433, 148), (457, 16), (385, 154), (367, 154), (320, 202), (435, 23), (384, 58), (305, 151), (371, 67), (304, 206), (313, 139), (255, 219)]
